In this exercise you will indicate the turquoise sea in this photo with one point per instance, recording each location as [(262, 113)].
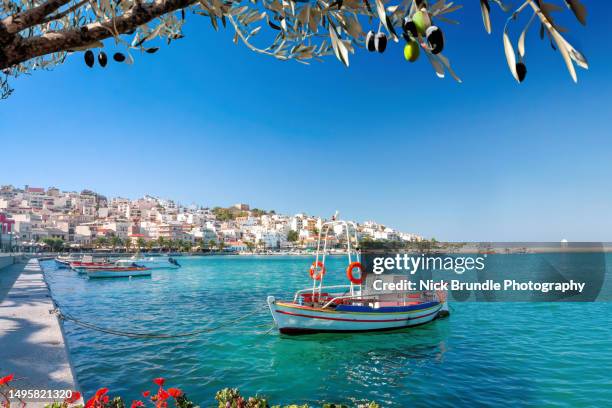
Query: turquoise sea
[(485, 354)]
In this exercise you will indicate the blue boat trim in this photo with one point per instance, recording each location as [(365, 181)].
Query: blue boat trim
[(385, 309)]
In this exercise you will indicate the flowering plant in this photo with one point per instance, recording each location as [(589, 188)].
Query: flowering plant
[(4, 384), (161, 398)]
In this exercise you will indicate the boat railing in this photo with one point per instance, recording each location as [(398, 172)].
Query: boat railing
[(297, 294), (424, 296), (342, 297)]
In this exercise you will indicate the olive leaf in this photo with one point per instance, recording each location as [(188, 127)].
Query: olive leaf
[(568, 52), (510, 55), (578, 9), (437, 66), (447, 64), (521, 42), (502, 5), (382, 15), (486, 19), (339, 47), (564, 52)]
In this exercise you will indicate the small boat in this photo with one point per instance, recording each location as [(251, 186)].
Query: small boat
[(352, 307), (153, 262), (118, 272), (65, 260), (88, 261)]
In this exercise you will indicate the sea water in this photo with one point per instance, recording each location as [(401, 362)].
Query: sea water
[(484, 354)]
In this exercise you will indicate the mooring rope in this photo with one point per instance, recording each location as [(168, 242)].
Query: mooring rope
[(68, 317)]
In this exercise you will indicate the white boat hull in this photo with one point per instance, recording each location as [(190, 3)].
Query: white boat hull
[(292, 318), (116, 274), (151, 263)]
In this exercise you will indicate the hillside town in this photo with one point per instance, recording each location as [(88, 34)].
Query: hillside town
[(35, 219)]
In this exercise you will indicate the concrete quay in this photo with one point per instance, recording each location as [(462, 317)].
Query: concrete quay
[(32, 345)]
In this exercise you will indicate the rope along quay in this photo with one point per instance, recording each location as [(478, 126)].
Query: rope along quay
[(67, 317)]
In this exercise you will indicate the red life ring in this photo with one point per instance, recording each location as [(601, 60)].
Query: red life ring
[(313, 268), (349, 273)]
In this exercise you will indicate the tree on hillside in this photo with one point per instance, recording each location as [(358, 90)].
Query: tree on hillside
[(161, 242), (115, 241), (140, 243), (186, 246), (150, 244), (101, 242), (292, 236), (128, 244), (55, 244), (41, 34), (211, 244), (256, 212)]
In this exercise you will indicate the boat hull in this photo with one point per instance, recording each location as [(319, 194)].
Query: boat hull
[(151, 263), (116, 274), (292, 318)]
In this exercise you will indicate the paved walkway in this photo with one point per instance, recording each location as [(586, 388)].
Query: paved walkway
[(31, 339)]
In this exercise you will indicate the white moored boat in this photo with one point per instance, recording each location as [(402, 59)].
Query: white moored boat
[(118, 272), (65, 260), (152, 262), (352, 307)]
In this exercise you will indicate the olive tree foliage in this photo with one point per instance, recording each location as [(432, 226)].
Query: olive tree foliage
[(40, 34)]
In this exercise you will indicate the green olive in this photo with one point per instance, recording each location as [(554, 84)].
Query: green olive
[(421, 21), (411, 51)]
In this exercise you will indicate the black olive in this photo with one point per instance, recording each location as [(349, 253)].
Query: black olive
[(521, 71), (89, 58), (370, 41), (151, 50), (380, 41), (119, 57), (409, 27), (102, 59), (435, 39)]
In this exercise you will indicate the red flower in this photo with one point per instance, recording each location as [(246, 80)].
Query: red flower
[(162, 394), (175, 392), (136, 404), (146, 393), (159, 381), (73, 398), (90, 402), (7, 379)]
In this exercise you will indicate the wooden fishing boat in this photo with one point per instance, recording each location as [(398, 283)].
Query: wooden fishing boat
[(153, 262), (118, 272), (89, 261), (65, 260), (352, 307)]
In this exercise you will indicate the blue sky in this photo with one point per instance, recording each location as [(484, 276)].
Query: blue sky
[(209, 122)]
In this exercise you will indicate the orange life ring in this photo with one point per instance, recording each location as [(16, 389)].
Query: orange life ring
[(317, 265), (349, 273)]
